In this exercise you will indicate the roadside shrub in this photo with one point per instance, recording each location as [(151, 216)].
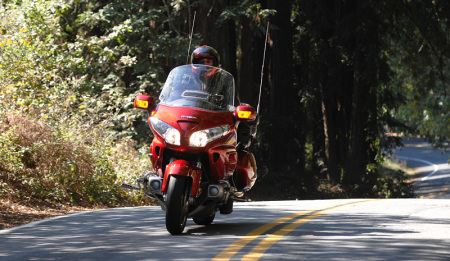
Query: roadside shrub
[(393, 183), (37, 163), (57, 140)]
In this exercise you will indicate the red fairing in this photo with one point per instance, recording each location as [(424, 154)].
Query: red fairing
[(222, 162), (246, 169), (156, 152), (222, 152), (190, 120)]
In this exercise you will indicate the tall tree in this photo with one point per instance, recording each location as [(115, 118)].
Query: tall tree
[(346, 68), (217, 32), (369, 74), (283, 108), (419, 55)]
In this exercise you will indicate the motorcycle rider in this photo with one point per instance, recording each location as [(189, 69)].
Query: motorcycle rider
[(207, 55)]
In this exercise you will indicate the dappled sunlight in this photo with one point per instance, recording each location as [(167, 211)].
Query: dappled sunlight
[(364, 237), (403, 229)]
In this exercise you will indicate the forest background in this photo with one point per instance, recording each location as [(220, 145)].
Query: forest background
[(339, 77)]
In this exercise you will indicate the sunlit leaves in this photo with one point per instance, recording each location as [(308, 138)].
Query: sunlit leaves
[(419, 56), (58, 83)]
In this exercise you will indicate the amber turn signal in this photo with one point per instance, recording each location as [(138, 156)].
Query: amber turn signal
[(143, 102), (245, 113)]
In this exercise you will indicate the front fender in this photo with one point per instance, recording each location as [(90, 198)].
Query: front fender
[(183, 168)]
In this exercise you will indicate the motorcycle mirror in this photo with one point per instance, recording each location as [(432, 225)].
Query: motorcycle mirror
[(144, 102), (245, 113)]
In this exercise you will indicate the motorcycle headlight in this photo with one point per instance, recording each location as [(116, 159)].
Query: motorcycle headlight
[(169, 133), (203, 137)]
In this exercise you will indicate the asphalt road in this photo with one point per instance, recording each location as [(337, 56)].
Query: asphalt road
[(397, 229), (431, 168), (350, 229)]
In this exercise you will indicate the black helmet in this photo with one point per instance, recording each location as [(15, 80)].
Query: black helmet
[(203, 52)]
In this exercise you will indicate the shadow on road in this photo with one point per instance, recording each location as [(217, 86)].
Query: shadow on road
[(140, 234)]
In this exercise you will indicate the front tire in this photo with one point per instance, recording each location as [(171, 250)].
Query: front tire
[(177, 204)]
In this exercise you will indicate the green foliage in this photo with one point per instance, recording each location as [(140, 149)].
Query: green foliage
[(57, 141), (393, 185), (388, 183), (365, 70), (118, 50), (38, 162), (419, 55), (250, 9), (69, 71)]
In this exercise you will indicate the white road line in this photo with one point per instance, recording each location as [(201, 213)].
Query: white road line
[(435, 167)]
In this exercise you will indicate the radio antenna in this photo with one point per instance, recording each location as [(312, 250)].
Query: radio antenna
[(190, 38), (262, 69)]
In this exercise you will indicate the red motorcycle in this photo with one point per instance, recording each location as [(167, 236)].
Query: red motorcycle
[(198, 168)]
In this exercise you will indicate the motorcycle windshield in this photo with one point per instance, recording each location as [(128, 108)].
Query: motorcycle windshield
[(199, 86)]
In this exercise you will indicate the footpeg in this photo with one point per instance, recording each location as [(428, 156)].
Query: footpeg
[(123, 185)]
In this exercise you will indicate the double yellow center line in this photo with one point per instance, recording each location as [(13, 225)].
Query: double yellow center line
[(271, 239)]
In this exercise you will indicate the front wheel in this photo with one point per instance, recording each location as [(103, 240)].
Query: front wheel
[(177, 204)]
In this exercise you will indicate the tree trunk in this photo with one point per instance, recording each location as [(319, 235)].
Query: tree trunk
[(283, 97), (221, 37), (330, 133), (364, 110), (247, 91)]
